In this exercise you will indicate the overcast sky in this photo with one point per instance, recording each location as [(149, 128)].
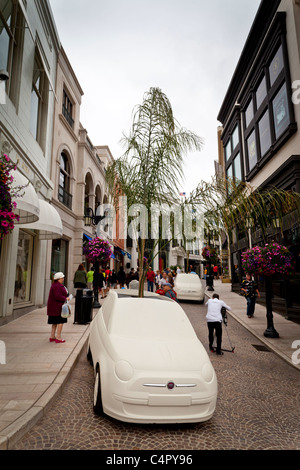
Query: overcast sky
[(119, 49)]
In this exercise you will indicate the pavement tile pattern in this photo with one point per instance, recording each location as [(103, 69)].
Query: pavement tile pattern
[(258, 404)]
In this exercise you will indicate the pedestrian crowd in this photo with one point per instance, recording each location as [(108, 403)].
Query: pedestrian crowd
[(161, 282)]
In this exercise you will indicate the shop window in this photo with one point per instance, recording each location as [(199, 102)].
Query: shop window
[(252, 153), (276, 66), (59, 257), (267, 123), (228, 151), (64, 195), (39, 101), (237, 168), (67, 109), (235, 137), (261, 92), (11, 44), (249, 114), (22, 291), (281, 112), (264, 133)]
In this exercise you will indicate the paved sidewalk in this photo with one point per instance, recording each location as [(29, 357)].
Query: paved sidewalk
[(36, 370)]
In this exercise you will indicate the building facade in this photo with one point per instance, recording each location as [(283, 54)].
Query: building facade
[(78, 174), (64, 173), (29, 45), (260, 136)]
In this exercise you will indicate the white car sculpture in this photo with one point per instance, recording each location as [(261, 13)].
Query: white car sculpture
[(149, 365), (189, 287)]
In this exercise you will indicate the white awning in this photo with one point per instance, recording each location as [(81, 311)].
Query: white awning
[(28, 207), (49, 224)]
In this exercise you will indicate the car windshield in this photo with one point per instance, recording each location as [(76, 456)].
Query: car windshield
[(150, 319)]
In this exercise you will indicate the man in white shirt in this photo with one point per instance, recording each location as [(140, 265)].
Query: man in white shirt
[(163, 280), (214, 321)]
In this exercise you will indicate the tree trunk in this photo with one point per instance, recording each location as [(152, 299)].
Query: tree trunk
[(141, 268)]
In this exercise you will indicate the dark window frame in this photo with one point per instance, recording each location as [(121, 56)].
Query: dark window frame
[(64, 195), (228, 137), (275, 40), (68, 108), (15, 33)]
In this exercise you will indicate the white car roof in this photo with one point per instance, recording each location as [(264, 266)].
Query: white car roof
[(153, 316), (187, 278)]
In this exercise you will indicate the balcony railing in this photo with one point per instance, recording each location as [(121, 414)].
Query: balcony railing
[(65, 197)]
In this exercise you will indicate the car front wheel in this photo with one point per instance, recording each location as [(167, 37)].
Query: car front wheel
[(98, 409)]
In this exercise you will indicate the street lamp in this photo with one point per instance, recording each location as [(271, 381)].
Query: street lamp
[(94, 219)]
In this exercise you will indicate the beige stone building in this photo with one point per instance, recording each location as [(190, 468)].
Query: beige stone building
[(29, 46), (260, 136), (78, 174)]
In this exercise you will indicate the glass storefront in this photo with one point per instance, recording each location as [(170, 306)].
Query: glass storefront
[(59, 257), (22, 292)]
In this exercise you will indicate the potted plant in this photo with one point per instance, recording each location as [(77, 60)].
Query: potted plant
[(97, 251), (210, 254)]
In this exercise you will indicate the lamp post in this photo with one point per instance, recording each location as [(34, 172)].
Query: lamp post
[(210, 279), (94, 219)]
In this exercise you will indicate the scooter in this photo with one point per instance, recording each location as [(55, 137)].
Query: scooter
[(225, 321)]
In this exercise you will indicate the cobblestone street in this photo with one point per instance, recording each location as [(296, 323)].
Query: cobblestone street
[(258, 406)]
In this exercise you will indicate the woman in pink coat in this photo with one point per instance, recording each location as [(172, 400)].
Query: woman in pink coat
[(57, 296)]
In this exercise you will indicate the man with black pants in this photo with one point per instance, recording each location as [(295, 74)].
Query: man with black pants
[(214, 321)]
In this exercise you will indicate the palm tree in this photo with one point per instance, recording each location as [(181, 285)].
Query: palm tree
[(229, 204), (151, 169)]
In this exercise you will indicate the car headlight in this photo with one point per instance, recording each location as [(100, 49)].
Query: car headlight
[(124, 370), (207, 372)]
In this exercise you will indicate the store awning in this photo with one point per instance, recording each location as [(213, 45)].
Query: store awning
[(49, 224), (87, 237), (28, 207), (123, 252)]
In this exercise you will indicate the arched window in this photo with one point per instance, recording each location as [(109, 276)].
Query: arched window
[(64, 195)]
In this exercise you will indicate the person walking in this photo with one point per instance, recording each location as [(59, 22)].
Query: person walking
[(214, 321), (150, 279), (57, 296), (216, 271), (80, 278), (101, 282), (250, 290), (121, 277), (113, 279), (90, 278)]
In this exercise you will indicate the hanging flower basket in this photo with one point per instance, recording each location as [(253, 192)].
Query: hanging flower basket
[(268, 260), (210, 254), (97, 250), (7, 215)]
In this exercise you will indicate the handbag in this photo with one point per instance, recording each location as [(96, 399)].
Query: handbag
[(65, 311)]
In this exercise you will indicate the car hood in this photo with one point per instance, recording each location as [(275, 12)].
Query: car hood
[(161, 355)]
